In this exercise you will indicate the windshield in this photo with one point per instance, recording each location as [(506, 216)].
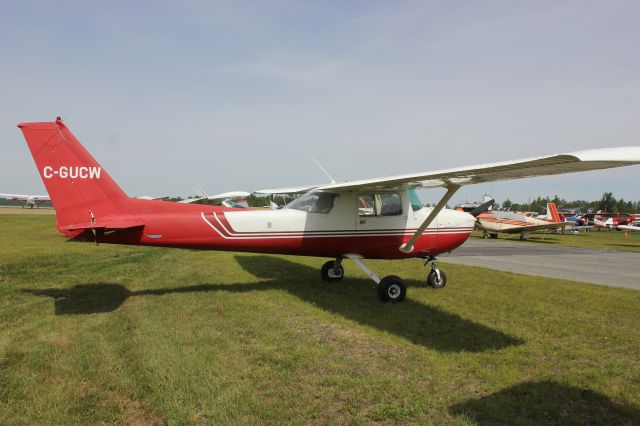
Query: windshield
[(314, 202), (414, 199)]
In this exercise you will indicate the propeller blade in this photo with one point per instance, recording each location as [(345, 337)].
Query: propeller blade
[(484, 207)]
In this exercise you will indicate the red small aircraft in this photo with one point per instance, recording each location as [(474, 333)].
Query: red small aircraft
[(379, 218)]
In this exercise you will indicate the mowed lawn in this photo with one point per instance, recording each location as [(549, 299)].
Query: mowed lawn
[(130, 335), (603, 239)]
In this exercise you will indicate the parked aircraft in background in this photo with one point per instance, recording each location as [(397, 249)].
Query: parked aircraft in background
[(234, 199), (30, 201), (607, 220), (494, 222), (380, 218)]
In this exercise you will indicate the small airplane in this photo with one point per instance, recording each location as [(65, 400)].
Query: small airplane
[(494, 222), (381, 218), (617, 221), (606, 220), (632, 228), (227, 199), (30, 201)]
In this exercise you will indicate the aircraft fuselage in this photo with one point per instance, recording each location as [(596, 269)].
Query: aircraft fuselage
[(289, 231)]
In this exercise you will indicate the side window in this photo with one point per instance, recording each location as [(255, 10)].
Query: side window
[(314, 202), (366, 205), (380, 204)]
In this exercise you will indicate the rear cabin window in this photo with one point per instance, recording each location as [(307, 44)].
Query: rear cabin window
[(380, 204), (314, 202)]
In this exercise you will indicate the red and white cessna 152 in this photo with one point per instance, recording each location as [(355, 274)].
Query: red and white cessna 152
[(379, 218)]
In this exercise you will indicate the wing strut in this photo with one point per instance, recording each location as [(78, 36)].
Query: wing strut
[(451, 189)]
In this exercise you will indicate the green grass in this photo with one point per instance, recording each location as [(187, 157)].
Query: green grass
[(596, 239), (130, 335)]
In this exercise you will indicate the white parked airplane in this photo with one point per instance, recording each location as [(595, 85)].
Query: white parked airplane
[(226, 199), (631, 228), (494, 222), (30, 201)]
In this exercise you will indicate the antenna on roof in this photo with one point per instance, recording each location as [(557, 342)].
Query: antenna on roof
[(323, 170)]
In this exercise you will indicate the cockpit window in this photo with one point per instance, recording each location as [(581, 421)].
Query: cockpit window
[(314, 202)]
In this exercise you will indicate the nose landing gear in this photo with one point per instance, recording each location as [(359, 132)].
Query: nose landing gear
[(436, 278)]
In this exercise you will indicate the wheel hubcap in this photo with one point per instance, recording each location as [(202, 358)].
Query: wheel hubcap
[(335, 274), (393, 291)]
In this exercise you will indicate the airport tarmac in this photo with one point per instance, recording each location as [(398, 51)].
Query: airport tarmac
[(607, 267)]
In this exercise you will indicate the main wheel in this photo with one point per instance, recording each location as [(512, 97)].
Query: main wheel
[(433, 281), (328, 272), (392, 289)]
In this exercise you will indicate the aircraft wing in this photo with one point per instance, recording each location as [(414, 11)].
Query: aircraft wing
[(191, 200), (149, 197), (23, 197), (533, 228), (578, 161), (287, 191), (218, 197), (629, 228)]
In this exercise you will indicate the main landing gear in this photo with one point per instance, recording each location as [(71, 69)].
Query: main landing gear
[(390, 288), (332, 270)]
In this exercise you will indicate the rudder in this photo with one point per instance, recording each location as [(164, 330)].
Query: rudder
[(80, 189), (553, 212)]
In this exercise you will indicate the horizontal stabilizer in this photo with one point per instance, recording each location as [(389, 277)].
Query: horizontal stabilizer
[(532, 228), (105, 224)]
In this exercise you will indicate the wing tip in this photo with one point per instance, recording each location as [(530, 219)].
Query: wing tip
[(621, 154)]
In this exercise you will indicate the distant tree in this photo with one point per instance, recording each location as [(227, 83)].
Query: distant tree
[(607, 202), (506, 204)]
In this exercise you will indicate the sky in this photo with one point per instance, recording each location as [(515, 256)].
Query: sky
[(173, 95)]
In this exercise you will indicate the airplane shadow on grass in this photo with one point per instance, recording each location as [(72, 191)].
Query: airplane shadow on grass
[(353, 298), (545, 403)]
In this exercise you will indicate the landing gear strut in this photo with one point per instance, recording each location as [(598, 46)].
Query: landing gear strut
[(436, 278)]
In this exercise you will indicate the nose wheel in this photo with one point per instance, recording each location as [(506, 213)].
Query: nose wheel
[(436, 277)]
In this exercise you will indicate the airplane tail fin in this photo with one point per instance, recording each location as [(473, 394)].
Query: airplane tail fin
[(80, 189), (552, 212)]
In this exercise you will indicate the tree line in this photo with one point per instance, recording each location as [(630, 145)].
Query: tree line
[(607, 203)]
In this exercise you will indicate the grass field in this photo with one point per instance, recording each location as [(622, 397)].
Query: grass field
[(603, 240), (129, 335)]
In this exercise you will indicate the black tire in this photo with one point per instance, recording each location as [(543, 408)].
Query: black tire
[(432, 279), (392, 289), (328, 268)]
